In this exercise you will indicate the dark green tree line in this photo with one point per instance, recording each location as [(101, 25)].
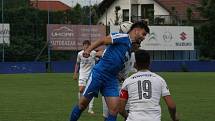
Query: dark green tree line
[(28, 30), (206, 33)]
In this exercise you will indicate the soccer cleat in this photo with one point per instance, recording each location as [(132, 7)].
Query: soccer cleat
[(91, 112)]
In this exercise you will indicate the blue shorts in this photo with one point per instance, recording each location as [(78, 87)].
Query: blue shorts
[(107, 84)]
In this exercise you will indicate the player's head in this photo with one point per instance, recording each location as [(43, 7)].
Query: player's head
[(138, 31), (86, 44), (142, 58)]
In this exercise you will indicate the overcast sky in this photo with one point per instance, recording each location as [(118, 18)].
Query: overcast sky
[(82, 2)]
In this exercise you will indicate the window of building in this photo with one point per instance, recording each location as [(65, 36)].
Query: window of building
[(125, 14), (147, 11)]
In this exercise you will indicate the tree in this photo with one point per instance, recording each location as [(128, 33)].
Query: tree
[(76, 15), (189, 15), (206, 34), (12, 4), (28, 29)]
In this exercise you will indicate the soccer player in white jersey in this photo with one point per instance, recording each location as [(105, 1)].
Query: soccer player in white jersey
[(86, 65), (144, 90), (128, 66), (127, 70)]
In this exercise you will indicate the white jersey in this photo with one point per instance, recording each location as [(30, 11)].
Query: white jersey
[(86, 64), (143, 90)]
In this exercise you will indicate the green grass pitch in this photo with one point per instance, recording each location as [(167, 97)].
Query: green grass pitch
[(50, 97)]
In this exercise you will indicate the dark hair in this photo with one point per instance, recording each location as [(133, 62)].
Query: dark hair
[(142, 59), (140, 24), (86, 42)]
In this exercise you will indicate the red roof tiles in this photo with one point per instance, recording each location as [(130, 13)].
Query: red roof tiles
[(49, 5), (180, 7)]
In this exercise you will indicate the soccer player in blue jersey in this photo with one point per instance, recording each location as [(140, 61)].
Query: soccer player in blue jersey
[(104, 74)]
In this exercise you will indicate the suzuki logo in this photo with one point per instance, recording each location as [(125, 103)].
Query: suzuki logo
[(183, 36)]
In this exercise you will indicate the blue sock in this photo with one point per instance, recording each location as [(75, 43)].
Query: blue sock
[(76, 112), (111, 117)]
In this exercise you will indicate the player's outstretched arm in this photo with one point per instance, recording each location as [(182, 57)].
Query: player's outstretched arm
[(105, 41), (172, 107)]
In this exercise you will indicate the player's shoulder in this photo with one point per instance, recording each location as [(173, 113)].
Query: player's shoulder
[(118, 35), (158, 77), (81, 51), (131, 78), (93, 52)]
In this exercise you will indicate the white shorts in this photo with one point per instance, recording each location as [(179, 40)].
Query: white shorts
[(82, 82)]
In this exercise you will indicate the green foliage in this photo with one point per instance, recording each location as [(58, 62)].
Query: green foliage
[(77, 15), (189, 15), (28, 29), (13, 4), (208, 9), (206, 35)]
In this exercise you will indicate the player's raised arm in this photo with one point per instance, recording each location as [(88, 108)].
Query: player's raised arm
[(104, 41)]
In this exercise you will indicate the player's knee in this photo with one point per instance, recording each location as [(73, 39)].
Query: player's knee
[(81, 89), (83, 103)]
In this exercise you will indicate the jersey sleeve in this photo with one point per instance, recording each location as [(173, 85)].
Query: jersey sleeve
[(124, 94), (78, 58), (120, 38), (94, 54), (165, 89)]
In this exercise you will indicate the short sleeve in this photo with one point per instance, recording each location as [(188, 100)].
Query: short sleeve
[(124, 85), (93, 54), (165, 89), (124, 94), (120, 38), (78, 58)]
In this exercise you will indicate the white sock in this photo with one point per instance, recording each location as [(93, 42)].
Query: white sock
[(91, 105), (79, 95)]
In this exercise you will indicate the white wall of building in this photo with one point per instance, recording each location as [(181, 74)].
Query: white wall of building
[(110, 17), (159, 10), (146, 1)]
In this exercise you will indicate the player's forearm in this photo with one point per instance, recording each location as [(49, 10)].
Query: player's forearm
[(172, 111), (104, 41), (76, 68), (95, 45), (122, 110), (171, 106)]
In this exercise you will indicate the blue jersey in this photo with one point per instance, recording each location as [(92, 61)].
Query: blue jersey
[(115, 55)]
